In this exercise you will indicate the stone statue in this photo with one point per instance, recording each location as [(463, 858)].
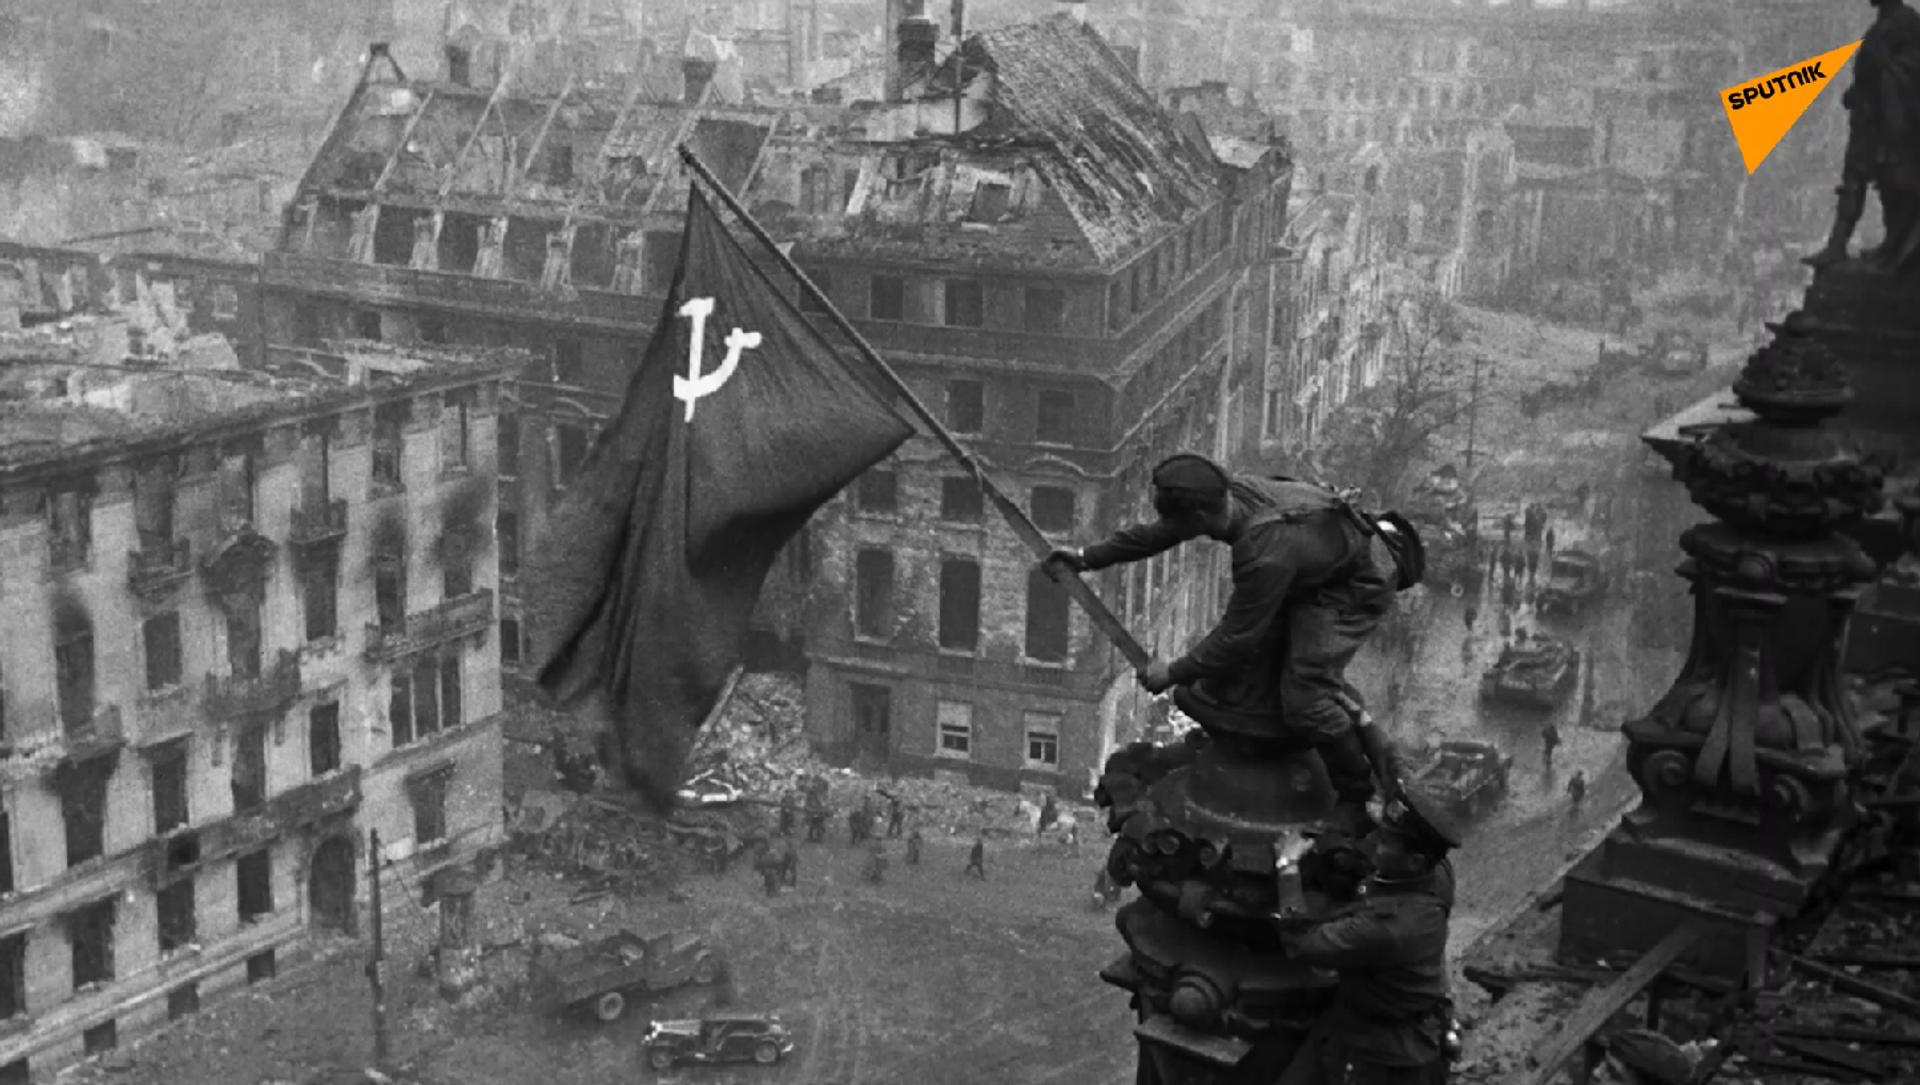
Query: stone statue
[(1883, 142)]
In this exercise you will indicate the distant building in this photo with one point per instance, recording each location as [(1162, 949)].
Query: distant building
[(443, 213), (250, 618), (1054, 263)]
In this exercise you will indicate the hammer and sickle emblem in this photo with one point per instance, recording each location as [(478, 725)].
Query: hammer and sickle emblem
[(697, 385)]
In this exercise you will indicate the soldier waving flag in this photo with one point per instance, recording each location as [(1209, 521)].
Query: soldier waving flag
[(741, 420)]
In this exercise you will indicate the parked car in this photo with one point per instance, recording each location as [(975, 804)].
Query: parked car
[(1537, 673), (600, 975), (717, 1038), (709, 789), (1574, 580), (1471, 776)]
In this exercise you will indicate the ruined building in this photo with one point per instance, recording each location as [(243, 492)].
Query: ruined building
[(250, 619), (1064, 271), (441, 213)]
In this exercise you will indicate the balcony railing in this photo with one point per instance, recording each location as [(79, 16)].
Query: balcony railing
[(321, 523), (159, 567), (277, 686), (185, 850), (98, 735), (378, 283), (463, 616)]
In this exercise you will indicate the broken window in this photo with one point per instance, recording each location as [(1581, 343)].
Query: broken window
[(816, 191), (6, 852), (261, 967), (73, 667), (90, 932), (506, 528), (426, 701), (960, 604), (176, 920), (887, 298), (456, 565), (366, 324), (568, 364), (1046, 310), (316, 468), (101, 1038), (507, 436), (243, 636), (254, 871), (659, 252), (966, 303), (966, 406), (509, 642), (991, 201), (452, 695), (153, 490), (873, 593), (878, 492), (320, 599), (249, 767), (432, 329), (961, 500), (955, 720), (70, 527), (459, 65), (168, 766), (428, 792), (456, 442), (1043, 740), (1137, 285), (459, 243), (1053, 508), (1116, 306), (823, 279), (570, 452), (323, 738), (1053, 417), (13, 977), (1047, 618), (161, 636), (389, 424), (400, 708)]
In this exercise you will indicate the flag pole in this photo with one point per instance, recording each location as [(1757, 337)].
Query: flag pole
[(1023, 526)]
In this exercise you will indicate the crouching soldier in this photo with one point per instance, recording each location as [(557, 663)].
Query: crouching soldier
[(1391, 1022)]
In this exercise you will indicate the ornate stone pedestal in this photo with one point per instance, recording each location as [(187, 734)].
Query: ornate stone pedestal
[(1744, 764), (1198, 825)]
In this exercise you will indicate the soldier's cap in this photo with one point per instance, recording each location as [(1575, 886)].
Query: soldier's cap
[(1423, 817), (1192, 473)]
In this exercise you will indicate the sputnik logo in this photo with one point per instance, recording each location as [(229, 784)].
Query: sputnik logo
[(696, 385)]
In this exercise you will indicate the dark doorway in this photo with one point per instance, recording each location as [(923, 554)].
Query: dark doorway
[(872, 722), (330, 885)]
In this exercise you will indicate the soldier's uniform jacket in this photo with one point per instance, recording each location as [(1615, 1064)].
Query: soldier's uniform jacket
[(1392, 1003), (1290, 541)]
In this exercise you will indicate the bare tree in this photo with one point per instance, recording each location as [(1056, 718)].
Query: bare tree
[(1381, 433)]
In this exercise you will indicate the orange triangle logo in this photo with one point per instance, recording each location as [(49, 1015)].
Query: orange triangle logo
[(1761, 110)]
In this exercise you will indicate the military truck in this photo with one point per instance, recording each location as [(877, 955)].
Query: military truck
[(599, 976), (1536, 673), (1471, 777), (1573, 581)]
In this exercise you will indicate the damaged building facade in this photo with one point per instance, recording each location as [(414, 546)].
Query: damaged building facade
[(1055, 263), (443, 213), (251, 619)]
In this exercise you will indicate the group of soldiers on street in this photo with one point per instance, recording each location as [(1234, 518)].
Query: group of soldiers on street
[(778, 862), (1313, 578)]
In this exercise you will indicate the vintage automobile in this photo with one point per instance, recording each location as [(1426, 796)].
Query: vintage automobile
[(1573, 581), (600, 975), (717, 1038), (1536, 673), (1471, 776), (709, 789)]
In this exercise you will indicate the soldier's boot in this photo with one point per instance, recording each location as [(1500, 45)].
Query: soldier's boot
[(1846, 216)]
